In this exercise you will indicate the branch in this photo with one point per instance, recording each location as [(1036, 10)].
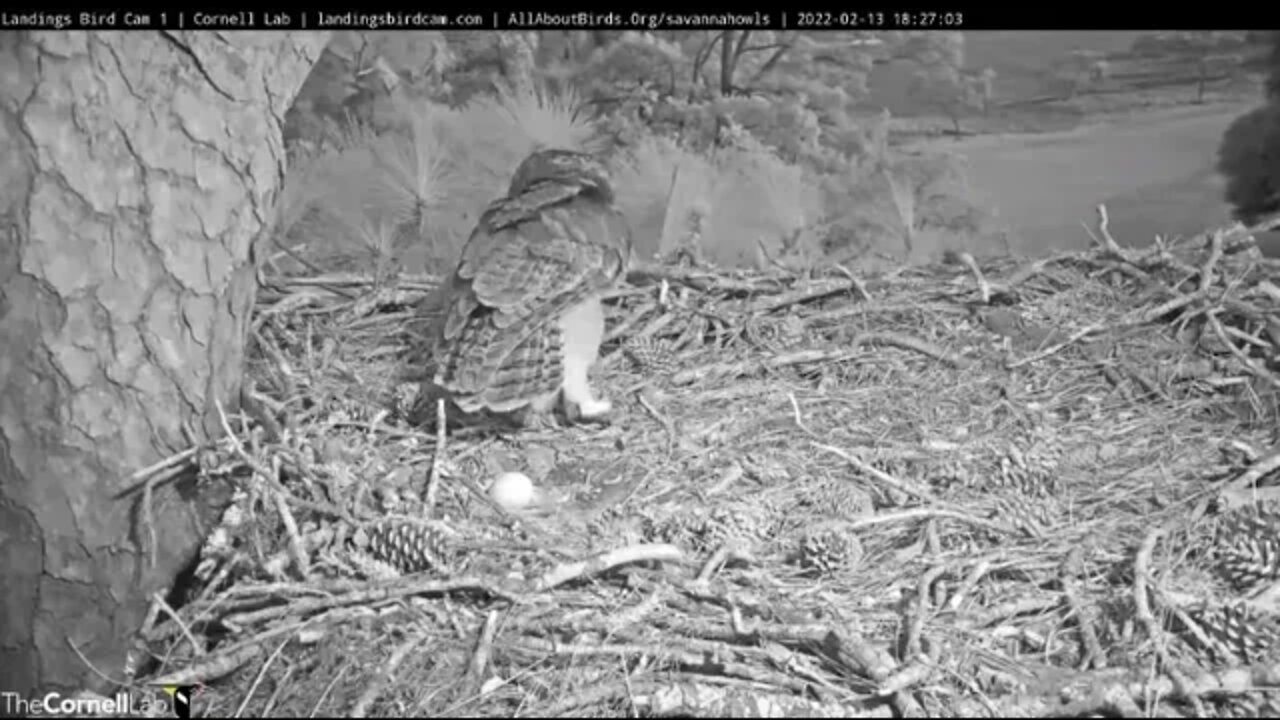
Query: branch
[(700, 58), (761, 48), (737, 49), (772, 61)]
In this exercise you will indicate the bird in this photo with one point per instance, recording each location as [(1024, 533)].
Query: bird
[(523, 320)]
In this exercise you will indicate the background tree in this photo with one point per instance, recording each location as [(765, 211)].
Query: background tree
[(1212, 66), (138, 171), (1273, 68), (1249, 155), (1078, 70), (1249, 158), (942, 83), (986, 87)]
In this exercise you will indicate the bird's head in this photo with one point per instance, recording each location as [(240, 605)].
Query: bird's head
[(564, 166)]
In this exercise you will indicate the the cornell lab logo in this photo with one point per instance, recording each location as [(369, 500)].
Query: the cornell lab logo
[(182, 696)]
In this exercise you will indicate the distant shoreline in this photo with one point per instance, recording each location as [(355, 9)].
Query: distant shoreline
[(1155, 170), (1129, 119)]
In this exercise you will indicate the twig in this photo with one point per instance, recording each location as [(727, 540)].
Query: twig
[(163, 471), (114, 682), (1215, 254), (437, 459), (1142, 611), (148, 521), (804, 295), (701, 280), (1249, 363), (1258, 469), (1167, 307), (913, 344), (799, 419), (984, 289), (925, 514), (174, 460), (297, 548), (319, 272), (713, 563), (920, 612), (281, 684), (213, 667), (163, 606), (857, 283), (269, 479), (1093, 655), (567, 572), (971, 580), (289, 385), (913, 673), (1141, 596), (386, 674), (668, 426), (1026, 272), (483, 650), (1053, 349), (329, 689), (262, 673), (877, 474), (1104, 224), (395, 590), (764, 251)]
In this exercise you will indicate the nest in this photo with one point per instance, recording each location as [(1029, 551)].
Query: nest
[(1002, 489)]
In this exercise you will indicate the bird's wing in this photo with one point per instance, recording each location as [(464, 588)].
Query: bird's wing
[(525, 263)]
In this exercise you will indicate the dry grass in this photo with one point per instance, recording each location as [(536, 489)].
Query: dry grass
[(1030, 462)]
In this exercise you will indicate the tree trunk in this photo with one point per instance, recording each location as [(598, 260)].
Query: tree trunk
[(726, 64), (136, 172)]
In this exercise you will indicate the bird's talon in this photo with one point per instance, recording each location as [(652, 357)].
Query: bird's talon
[(593, 409)]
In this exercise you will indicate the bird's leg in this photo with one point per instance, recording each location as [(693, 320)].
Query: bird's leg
[(577, 389), (583, 328)]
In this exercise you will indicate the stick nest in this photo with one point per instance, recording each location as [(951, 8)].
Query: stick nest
[(998, 489)]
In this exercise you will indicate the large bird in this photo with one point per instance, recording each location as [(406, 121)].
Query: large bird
[(523, 319)]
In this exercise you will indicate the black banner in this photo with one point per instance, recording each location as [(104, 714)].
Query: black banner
[(956, 16)]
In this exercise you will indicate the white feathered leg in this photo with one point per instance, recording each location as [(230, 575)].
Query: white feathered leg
[(583, 328)]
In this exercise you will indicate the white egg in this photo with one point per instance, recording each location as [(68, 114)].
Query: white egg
[(512, 490)]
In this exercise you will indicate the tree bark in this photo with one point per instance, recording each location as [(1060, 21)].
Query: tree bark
[(726, 64), (137, 170)]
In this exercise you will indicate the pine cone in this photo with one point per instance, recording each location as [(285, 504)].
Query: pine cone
[(1248, 547), (682, 528), (1031, 516), (747, 524), (1031, 467), (408, 546), (836, 498), (1236, 633), (703, 530), (944, 472), (651, 357), (792, 331), (830, 550)]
